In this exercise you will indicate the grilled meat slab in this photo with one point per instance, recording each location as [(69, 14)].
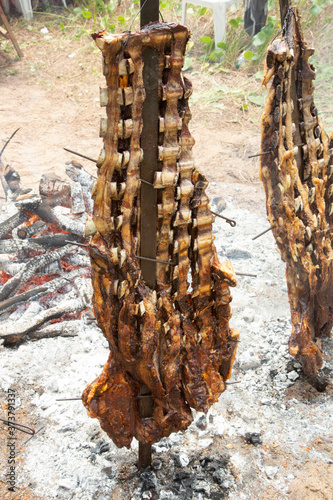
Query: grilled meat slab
[(296, 171), (175, 340)]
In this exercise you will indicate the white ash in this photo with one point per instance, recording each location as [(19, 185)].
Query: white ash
[(271, 405)]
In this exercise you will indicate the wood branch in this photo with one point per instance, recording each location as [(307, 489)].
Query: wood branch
[(29, 203), (17, 245), (8, 141), (12, 332), (10, 223), (10, 32), (23, 232), (53, 240), (77, 173), (10, 267), (42, 209), (13, 180), (58, 199), (75, 226), (63, 329), (50, 185), (9, 304), (54, 191), (77, 259), (40, 243), (3, 180), (29, 269), (39, 291), (78, 206), (53, 268)]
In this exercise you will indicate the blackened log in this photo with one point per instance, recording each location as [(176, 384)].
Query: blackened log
[(13, 302), (3, 180), (45, 212), (10, 223), (51, 185), (12, 332), (77, 173), (53, 240), (62, 329), (29, 269), (13, 179), (40, 243), (17, 245), (29, 203), (53, 268), (42, 209), (58, 199), (39, 291), (10, 267), (78, 206), (77, 259), (25, 232), (54, 191), (73, 225)]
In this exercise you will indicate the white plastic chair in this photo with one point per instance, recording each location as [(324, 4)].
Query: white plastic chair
[(23, 6), (219, 11)]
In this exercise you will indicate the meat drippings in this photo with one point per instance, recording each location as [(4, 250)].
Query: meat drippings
[(174, 340)]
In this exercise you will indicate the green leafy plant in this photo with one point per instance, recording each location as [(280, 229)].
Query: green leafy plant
[(262, 39), (214, 53)]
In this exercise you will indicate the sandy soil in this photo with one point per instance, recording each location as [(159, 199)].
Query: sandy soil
[(53, 96)]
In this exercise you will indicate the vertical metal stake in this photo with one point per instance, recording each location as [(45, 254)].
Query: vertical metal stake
[(284, 6), (148, 197)]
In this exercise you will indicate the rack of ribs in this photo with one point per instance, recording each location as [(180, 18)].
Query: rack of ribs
[(296, 170), (174, 339)]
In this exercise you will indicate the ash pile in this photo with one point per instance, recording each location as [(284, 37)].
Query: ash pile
[(44, 264)]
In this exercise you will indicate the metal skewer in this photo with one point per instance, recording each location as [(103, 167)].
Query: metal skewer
[(18, 426), (155, 260), (260, 154), (7, 142), (229, 221), (69, 399), (264, 232), (79, 154), (76, 244), (247, 274)]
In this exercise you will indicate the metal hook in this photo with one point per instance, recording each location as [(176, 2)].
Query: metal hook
[(229, 221)]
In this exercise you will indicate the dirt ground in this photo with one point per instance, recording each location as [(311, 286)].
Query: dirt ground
[(53, 96)]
